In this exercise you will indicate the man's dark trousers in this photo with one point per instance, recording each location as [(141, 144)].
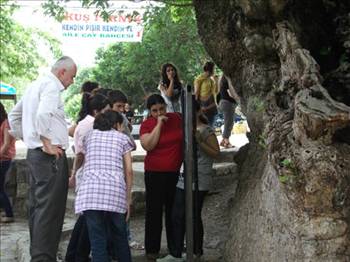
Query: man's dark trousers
[(48, 179)]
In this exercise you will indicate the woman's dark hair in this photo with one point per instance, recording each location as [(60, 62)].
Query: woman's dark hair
[(107, 120), (154, 99), (201, 116), (88, 86), (209, 67), (101, 91), (115, 96), (3, 114), (164, 78), (90, 103)]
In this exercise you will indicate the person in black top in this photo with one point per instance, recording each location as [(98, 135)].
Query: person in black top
[(227, 106)]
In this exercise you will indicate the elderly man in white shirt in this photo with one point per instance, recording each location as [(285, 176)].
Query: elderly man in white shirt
[(39, 120)]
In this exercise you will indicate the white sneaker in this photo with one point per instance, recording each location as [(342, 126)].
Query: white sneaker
[(170, 258)]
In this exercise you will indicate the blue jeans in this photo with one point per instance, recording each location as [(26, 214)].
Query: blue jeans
[(99, 223), (110, 249), (4, 200)]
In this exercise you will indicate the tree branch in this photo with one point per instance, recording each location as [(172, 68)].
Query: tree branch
[(176, 3)]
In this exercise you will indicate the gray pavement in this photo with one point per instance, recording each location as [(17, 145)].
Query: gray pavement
[(14, 237)]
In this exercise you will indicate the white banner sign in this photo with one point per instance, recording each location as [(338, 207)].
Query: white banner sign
[(84, 24)]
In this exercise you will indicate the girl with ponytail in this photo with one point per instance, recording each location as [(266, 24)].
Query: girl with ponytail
[(92, 105)]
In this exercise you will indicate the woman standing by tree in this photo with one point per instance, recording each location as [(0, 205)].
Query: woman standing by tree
[(227, 106), (207, 150), (161, 136), (170, 87), (7, 153), (206, 89)]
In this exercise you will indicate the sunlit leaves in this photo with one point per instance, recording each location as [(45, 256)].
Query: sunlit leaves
[(54, 8), (170, 35), (19, 46)]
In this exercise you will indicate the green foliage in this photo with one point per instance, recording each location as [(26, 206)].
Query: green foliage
[(85, 74), (283, 179), (290, 173), (19, 50), (72, 95), (72, 106), (257, 104), (287, 163), (56, 8), (170, 35), (262, 141)]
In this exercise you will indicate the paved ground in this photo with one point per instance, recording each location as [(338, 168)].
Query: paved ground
[(9, 236), (15, 235)]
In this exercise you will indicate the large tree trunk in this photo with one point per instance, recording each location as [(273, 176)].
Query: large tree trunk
[(289, 62)]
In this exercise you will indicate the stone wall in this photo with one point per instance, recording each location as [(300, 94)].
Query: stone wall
[(17, 185)]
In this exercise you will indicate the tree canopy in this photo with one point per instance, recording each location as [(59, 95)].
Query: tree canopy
[(20, 55), (170, 35), (21, 50)]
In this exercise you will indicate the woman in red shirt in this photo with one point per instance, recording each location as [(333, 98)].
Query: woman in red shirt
[(161, 136), (7, 153)]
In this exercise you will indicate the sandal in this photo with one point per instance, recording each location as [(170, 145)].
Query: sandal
[(135, 245), (223, 143), (226, 143)]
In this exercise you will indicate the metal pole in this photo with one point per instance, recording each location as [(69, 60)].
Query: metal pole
[(195, 183), (189, 166)]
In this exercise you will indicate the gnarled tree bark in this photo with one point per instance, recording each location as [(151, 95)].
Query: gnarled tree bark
[(288, 60)]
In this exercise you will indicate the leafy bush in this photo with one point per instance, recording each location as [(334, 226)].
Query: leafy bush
[(72, 106)]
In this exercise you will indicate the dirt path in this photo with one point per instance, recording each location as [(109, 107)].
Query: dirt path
[(216, 224)]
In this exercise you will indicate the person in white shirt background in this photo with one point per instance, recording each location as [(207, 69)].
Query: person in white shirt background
[(39, 120)]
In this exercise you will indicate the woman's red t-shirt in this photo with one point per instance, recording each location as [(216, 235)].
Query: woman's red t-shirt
[(167, 154)]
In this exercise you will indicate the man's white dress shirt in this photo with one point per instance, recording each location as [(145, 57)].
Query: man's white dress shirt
[(40, 112)]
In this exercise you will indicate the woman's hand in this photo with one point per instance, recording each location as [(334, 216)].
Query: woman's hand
[(162, 87), (161, 119), (71, 182)]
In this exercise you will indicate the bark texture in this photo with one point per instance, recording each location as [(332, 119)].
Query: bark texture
[(289, 62)]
